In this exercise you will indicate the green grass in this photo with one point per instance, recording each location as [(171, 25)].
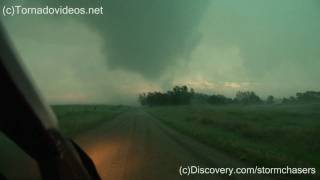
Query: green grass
[(76, 119), (268, 135)]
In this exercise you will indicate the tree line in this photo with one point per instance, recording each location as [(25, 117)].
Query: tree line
[(305, 97), (181, 95)]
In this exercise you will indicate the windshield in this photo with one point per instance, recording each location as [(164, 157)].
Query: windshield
[(240, 77)]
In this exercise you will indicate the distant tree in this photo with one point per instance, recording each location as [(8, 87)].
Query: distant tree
[(247, 97), (270, 99), (285, 101), (308, 96), (192, 91), (303, 97), (200, 98), (179, 95), (143, 99), (218, 99), (292, 99)]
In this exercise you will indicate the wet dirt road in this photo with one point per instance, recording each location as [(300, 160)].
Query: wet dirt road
[(136, 146)]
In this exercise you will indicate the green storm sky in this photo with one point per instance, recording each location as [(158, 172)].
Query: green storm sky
[(214, 46)]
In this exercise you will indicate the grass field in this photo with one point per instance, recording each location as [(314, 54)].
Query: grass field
[(264, 135), (76, 119)]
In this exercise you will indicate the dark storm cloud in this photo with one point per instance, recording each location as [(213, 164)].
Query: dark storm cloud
[(146, 36)]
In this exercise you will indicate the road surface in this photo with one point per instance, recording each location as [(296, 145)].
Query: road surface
[(136, 146)]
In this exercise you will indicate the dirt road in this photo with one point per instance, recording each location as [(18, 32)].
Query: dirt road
[(136, 146)]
